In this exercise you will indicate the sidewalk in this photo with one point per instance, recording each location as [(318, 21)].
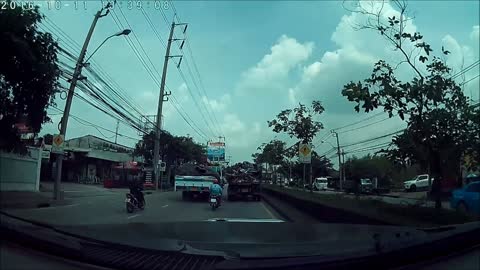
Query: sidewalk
[(28, 199)]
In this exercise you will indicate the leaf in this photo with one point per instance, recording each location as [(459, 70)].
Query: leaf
[(423, 58)]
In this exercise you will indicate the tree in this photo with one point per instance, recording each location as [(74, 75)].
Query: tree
[(303, 127), (28, 74), (439, 118), (272, 153), (48, 139), (172, 148)]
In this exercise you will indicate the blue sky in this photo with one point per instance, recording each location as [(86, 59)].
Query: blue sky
[(255, 59)]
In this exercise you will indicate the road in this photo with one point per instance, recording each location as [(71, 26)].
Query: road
[(95, 205)]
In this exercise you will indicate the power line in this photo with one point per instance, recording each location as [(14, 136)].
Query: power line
[(373, 139), (367, 125), (83, 121)]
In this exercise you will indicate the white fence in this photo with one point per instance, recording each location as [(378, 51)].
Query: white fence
[(20, 173)]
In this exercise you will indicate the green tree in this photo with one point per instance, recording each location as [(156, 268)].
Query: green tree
[(28, 74), (48, 139), (438, 115), (172, 148), (272, 153), (303, 126)]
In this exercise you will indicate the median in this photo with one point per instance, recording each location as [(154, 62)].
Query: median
[(337, 208)]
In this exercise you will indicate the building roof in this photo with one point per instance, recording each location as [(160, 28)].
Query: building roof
[(101, 139), (111, 156)]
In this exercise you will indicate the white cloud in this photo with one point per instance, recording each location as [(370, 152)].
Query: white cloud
[(272, 71), (217, 105)]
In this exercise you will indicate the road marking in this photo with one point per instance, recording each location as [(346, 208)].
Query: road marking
[(165, 206), (136, 215), (268, 211)]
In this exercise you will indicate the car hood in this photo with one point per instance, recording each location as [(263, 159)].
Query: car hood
[(242, 239), (409, 182), (254, 239)]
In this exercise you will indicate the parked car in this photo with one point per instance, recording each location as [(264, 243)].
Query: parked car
[(320, 183), (467, 199), (417, 183)]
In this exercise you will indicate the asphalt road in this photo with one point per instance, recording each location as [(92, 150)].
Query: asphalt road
[(104, 206)]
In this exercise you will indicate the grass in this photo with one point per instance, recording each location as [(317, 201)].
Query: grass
[(407, 215)]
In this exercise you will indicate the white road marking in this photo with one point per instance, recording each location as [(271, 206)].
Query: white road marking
[(268, 211), (165, 206), (136, 215)]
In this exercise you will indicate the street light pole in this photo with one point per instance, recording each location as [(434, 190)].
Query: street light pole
[(68, 103)]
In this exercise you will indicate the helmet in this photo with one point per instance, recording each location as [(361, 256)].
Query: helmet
[(215, 181)]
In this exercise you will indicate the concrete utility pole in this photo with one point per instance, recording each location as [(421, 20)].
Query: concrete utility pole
[(116, 130), (343, 167), (340, 166), (68, 103), (158, 128)]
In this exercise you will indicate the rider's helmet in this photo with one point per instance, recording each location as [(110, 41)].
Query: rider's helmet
[(215, 181)]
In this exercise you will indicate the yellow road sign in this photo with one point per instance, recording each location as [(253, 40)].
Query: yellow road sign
[(57, 144), (304, 153)]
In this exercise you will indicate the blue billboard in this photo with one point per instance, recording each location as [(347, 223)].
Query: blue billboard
[(216, 152)]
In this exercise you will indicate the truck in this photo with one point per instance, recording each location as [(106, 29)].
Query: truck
[(194, 181), (420, 182), (243, 184), (363, 185)]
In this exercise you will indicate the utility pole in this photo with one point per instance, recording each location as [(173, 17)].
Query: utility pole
[(68, 103), (158, 127), (344, 173), (116, 130), (340, 166)]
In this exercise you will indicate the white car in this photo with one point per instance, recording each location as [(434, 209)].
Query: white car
[(419, 182), (320, 183)]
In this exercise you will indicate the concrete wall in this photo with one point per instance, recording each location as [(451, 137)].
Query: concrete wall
[(20, 173)]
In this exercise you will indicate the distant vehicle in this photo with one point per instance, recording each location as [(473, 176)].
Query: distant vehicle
[(320, 183), (365, 186), (193, 185), (243, 185), (417, 183), (467, 199)]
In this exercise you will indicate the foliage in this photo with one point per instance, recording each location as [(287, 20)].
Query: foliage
[(321, 166), (172, 148), (48, 139), (272, 152), (440, 120), (302, 126), (28, 74)]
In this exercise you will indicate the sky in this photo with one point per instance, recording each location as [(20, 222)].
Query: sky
[(254, 59)]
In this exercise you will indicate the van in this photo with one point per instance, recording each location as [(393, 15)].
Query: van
[(320, 183)]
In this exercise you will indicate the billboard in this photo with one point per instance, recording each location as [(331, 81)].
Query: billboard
[(216, 152)]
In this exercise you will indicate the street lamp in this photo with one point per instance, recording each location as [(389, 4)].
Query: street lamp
[(125, 32), (329, 143)]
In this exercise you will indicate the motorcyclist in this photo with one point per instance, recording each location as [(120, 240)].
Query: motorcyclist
[(136, 188), (216, 190)]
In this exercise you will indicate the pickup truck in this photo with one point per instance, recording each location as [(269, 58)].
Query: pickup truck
[(193, 185), (417, 183)]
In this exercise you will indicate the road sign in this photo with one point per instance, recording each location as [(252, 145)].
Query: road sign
[(304, 153), (163, 166), (58, 143)]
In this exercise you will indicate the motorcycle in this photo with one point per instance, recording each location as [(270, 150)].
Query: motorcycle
[(214, 202), (132, 202)]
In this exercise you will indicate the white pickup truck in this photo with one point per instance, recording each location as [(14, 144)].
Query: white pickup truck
[(193, 185), (419, 182)]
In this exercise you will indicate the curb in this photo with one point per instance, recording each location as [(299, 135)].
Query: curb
[(276, 208)]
